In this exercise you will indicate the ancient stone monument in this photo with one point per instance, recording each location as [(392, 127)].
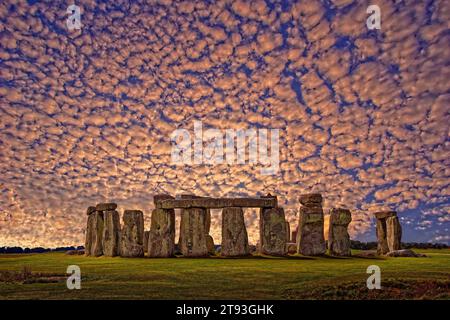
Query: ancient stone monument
[(234, 233), (94, 233), (161, 238), (310, 237), (338, 237), (389, 232), (111, 233), (272, 230), (193, 223), (132, 237)]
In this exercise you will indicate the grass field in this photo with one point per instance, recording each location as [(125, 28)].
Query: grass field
[(293, 277)]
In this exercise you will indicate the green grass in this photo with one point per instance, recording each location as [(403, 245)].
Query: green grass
[(292, 277)]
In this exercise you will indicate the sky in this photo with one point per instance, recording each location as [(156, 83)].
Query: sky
[(86, 116)]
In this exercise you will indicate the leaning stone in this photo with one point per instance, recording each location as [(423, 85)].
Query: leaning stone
[(161, 238), (106, 207), (132, 237), (234, 233), (97, 235), (111, 234), (394, 233), (272, 231), (90, 210), (338, 237), (310, 237)]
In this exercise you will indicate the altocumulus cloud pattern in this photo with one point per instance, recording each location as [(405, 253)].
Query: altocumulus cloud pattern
[(86, 115)]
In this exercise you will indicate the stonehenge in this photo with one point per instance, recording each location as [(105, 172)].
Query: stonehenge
[(338, 237), (106, 236), (310, 234), (389, 232)]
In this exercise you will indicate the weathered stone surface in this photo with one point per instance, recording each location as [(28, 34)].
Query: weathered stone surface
[(234, 233), (161, 239), (193, 234), (90, 210), (404, 253), (210, 245), (216, 203), (111, 234), (160, 197), (146, 236), (310, 238), (338, 237), (312, 199), (106, 207), (291, 247), (382, 246), (394, 233), (132, 235), (288, 232), (89, 236), (385, 214), (97, 234), (208, 221), (272, 231)]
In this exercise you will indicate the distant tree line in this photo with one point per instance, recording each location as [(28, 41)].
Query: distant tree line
[(37, 250), (357, 245)]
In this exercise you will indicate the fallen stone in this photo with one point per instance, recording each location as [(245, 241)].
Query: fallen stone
[(404, 253), (291, 247), (272, 231), (132, 235), (111, 234), (161, 238), (106, 207), (234, 233), (310, 237), (338, 237)]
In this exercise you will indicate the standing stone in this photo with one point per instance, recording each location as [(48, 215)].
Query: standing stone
[(97, 235), (210, 245), (234, 233), (161, 238), (288, 232), (394, 233), (382, 232), (132, 239), (338, 237), (272, 231), (146, 234), (111, 234), (90, 228), (193, 235), (310, 237)]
